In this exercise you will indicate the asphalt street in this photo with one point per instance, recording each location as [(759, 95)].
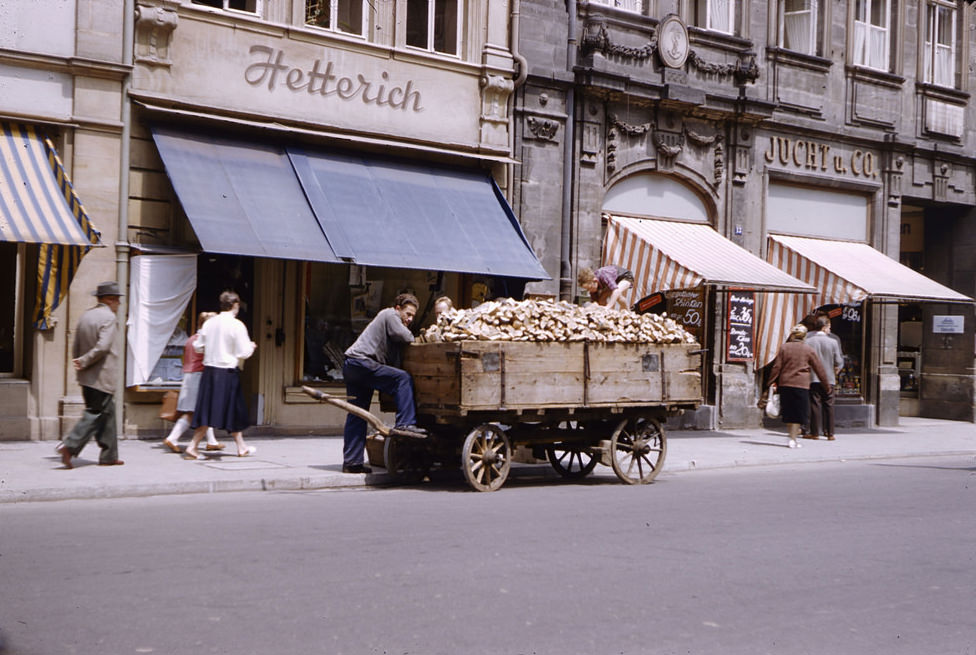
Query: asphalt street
[(850, 557)]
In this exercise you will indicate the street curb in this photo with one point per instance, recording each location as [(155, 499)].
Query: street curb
[(383, 480), (303, 483), (692, 465)]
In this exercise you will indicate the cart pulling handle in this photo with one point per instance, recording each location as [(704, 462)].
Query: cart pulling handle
[(370, 418)]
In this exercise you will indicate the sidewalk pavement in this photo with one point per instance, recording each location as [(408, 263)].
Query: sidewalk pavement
[(32, 471)]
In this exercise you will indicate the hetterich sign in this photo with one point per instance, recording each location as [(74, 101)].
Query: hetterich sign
[(324, 80)]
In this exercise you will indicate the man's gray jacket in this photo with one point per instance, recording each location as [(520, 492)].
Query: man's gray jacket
[(95, 348), (829, 353)]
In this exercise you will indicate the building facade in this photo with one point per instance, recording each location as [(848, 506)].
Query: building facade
[(62, 73), (318, 158), (814, 135)]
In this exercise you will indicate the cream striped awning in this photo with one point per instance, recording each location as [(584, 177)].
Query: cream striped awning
[(667, 255), (33, 208), (843, 272)]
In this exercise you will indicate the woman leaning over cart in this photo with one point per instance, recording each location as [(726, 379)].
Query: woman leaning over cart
[(791, 378)]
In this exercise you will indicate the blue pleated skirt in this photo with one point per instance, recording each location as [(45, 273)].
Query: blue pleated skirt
[(220, 400)]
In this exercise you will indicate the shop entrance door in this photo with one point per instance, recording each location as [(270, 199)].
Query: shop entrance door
[(217, 273)]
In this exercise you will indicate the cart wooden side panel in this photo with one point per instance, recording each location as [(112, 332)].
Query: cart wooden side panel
[(505, 375), (633, 373)]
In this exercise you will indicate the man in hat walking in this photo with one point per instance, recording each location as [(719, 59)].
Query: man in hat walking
[(96, 362)]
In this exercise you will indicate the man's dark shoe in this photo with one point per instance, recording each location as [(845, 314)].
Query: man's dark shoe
[(117, 462), (416, 429), (356, 468), (65, 457)]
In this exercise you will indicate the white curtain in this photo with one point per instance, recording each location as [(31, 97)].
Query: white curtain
[(799, 31), (945, 68), (160, 287), (720, 16), (860, 40), (878, 47)]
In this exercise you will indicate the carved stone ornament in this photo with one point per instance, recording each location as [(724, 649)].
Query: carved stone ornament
[(542, 128), (628, 129), (895, 174), (940, 181), (742, 71), (495, 91), (155, 22), (669, 146), (596, 37), (673, 43)]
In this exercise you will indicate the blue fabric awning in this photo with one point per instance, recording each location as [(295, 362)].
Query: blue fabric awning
[(242, 198), (33, 206), (402, 214), (298, 203)]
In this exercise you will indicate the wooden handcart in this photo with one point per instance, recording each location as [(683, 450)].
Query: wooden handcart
[(484, 403)]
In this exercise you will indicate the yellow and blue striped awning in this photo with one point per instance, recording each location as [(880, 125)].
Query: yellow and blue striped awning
[(33, 201)]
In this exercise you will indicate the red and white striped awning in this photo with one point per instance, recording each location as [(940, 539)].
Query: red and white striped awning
[(843, 272), (667, 255)]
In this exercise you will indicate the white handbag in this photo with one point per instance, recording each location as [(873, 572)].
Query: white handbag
[(772, 405)]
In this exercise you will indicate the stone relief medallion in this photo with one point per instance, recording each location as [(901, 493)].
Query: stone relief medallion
[(672, 44)]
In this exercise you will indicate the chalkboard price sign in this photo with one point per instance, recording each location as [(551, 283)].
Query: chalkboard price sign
[(688, 309), (741, 325)]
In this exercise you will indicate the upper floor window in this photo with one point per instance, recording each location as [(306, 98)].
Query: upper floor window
[(872, 33), (636, 6), (434, 25), (250, 6), (340, 15), (940, 44), (720, 16), (798, 24)]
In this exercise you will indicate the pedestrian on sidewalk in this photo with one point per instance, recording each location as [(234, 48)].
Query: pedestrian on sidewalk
[(189, 389), (371, 365), (822, 389), (225, 345), (791, 378), (96, 362)]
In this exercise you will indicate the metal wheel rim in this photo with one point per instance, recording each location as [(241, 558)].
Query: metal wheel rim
[(486, 458), (572, 463), (637, 450), (405, 462)]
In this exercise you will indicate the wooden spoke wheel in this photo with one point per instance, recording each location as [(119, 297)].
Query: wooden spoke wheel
[(571, 460), (637, 450), (486, 457), (407, 460)]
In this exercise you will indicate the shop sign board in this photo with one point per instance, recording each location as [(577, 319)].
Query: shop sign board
[(741, 325), (360, 88), (948, 324)]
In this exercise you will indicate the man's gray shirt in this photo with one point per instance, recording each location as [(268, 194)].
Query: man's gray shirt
[(829, 353), (380, 339)]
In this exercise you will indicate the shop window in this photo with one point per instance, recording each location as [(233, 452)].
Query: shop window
[(872, 34), (434, 25), (940, 52), (339, 301), (339, 15), (250, 6), (847, 323), (799, 22)]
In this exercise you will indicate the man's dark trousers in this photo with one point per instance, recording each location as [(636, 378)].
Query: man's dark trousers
[(98, 421), (821, 410), (362, 377)]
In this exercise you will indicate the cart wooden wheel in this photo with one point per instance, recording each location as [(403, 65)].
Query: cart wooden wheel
[(406, 460), (486, 457), (637, 450), (571, 461)]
